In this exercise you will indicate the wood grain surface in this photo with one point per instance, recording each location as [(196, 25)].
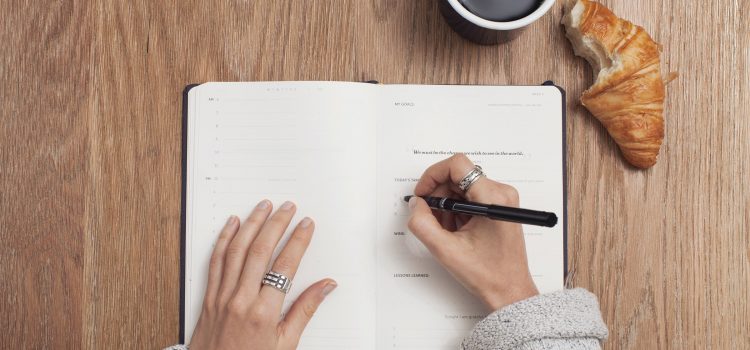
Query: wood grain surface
[(90, 154)]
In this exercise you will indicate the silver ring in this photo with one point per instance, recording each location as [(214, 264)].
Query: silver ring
[(470, 178), (278, 281)]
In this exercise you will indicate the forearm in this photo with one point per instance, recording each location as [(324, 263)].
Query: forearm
[(566, 319)]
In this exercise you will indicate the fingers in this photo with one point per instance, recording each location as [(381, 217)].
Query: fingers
[(289, 259), (446, 171), (426, 227), (450, 171), (238, 248), (216, 266), (262, 248), (303, 310)]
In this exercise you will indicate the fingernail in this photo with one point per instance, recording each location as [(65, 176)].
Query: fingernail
[(305, 222), (232, 220), (412, 202), (329, 288), (263, 204), (287, 205)]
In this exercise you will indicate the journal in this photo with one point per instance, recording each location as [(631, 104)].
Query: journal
[(346, 154)]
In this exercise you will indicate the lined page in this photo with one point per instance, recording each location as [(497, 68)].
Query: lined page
[(515, 134), (310, 142)]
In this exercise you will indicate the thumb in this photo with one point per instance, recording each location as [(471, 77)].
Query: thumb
[(303, 310), (426, 227)]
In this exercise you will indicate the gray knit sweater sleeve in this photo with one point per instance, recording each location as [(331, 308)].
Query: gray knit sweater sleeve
[(566, 319)]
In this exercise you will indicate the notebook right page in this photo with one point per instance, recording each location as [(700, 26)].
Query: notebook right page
[(516, 134)]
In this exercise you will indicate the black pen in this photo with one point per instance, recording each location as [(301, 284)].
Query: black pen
[(495, 212)]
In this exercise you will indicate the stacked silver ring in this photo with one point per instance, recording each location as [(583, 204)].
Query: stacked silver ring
[(470, 178), (278, 281)]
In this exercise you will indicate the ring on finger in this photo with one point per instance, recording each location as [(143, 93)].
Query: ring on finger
[(278, 281), (470, 178)]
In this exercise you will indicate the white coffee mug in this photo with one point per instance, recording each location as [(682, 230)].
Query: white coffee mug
[(484, 31)]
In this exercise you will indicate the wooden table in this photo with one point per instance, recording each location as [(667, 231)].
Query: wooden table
[(90, 154)]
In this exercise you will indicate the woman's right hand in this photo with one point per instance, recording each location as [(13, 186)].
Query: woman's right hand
[(487, 257)]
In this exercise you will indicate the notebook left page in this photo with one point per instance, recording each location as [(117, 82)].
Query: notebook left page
[(309, 142)]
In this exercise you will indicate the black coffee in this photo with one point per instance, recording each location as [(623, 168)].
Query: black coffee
[(501, 10)]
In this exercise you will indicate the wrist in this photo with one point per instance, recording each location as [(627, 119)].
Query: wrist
[(512, 294)]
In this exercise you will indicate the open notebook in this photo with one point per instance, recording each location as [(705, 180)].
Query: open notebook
[(347, 153)]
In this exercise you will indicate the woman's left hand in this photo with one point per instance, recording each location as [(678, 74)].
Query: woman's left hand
[(238, 311)]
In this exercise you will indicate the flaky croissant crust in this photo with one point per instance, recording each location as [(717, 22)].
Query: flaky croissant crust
[(628, 95)]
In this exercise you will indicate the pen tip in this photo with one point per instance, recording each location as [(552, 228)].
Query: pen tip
[(407, 198)]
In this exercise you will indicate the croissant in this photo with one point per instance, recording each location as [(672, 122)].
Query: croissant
[(628, 95)]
